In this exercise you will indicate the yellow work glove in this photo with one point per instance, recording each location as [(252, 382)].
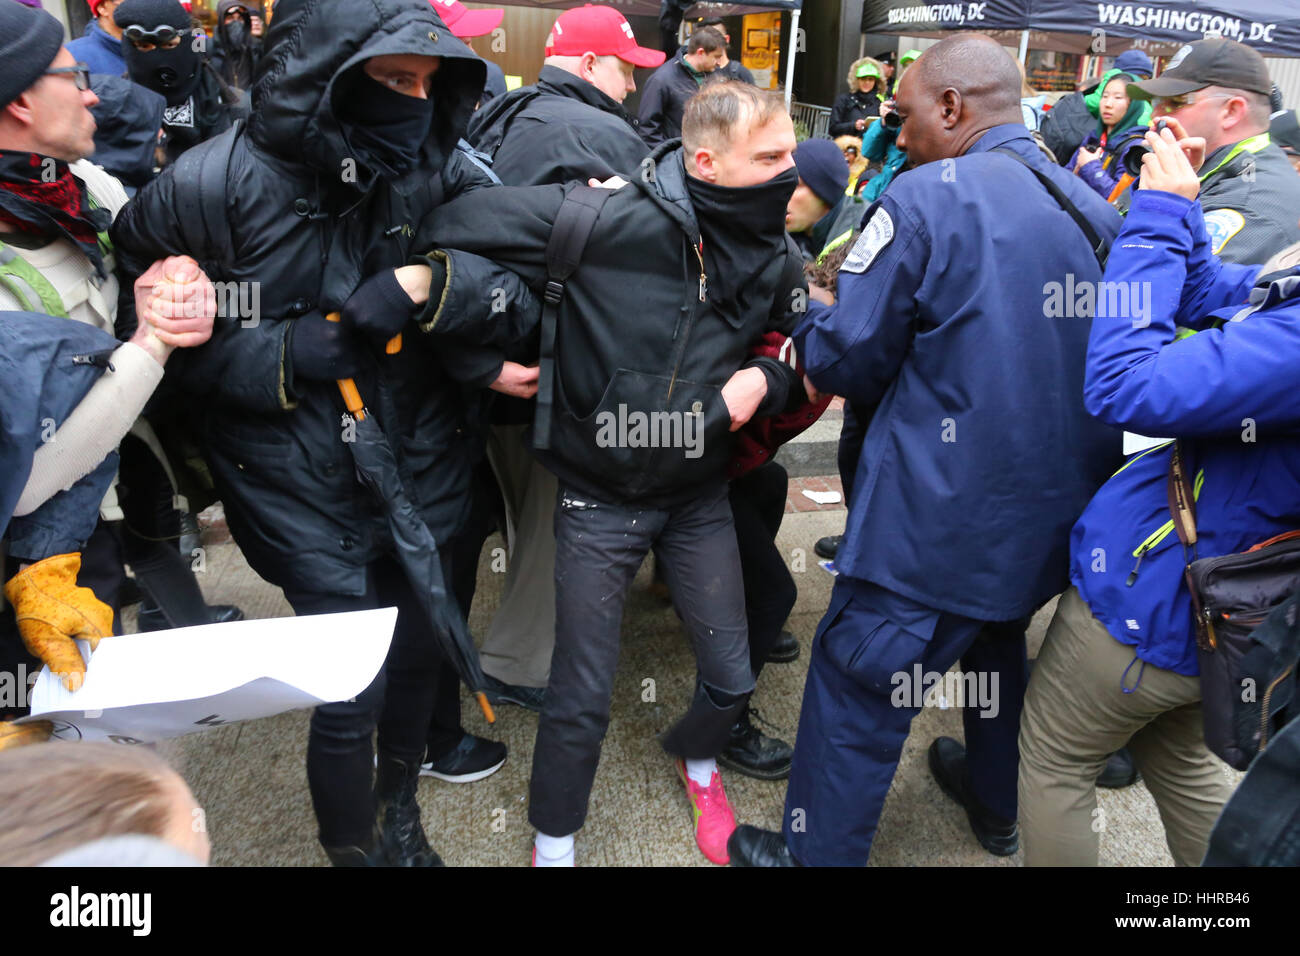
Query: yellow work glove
[(20, 735), (51, 611)]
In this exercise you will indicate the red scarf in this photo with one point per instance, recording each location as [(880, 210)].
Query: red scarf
[(39, 196)]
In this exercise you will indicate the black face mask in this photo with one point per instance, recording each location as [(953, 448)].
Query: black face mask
[(236, 35), (390, 127), (743, 229), (174, 73)]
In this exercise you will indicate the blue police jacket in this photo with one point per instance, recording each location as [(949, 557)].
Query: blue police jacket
[(1229, 393), (979, 456), (99, 51)]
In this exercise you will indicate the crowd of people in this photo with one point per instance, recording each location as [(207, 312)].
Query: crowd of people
[(593, 331)]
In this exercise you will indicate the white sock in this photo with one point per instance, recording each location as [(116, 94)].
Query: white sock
[(701, 771), (554, 851)]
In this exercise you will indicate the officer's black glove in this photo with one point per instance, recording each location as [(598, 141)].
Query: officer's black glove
[(320, 349), (379, 308)]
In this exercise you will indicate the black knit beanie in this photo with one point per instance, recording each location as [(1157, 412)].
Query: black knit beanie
[(30, 39), (151, 14)]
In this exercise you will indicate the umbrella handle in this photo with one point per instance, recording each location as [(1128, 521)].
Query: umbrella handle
[(348, 388), (486, 707)]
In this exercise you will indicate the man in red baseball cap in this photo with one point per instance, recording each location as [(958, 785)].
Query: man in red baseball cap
[(100, 47)]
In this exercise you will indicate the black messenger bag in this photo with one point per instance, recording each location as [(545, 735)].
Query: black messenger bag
[(1248, 671)]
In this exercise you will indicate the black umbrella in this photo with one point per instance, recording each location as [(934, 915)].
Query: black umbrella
[(416, 548)]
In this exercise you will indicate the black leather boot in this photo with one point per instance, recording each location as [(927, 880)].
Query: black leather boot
[(372, 854), (753, 753), (399, 814)]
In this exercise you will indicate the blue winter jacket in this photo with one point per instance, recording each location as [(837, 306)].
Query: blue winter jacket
[(980, 456), (1103, 174), (1230, 394), (878, 145), (40, 384), (99, 51)]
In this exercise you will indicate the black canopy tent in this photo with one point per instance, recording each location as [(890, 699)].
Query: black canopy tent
[(1159, 27)]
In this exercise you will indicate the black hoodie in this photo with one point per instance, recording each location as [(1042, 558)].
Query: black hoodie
[(561, 128), (309, 220)]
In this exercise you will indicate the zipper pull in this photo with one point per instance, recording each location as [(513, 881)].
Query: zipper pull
[(704, 279), (1133, 575)]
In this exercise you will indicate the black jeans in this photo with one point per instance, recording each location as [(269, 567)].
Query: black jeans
[(758, 505), (412, 684), (598, 549)]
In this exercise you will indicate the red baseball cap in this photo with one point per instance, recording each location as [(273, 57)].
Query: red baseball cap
[(599, 30), (464, 22)]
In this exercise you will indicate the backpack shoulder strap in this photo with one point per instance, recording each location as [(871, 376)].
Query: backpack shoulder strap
[(1100, 247), (569, 235), (201, 199), (25, 283)]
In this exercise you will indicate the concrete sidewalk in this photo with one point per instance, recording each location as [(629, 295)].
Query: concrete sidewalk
[(251, 778)]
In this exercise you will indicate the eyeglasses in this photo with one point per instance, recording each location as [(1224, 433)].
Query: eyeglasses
[(1172, 104), (166, 37), (80, 74)]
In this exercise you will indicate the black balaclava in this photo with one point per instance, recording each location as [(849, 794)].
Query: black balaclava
[(173, 73), (389, 127), (743, 230)]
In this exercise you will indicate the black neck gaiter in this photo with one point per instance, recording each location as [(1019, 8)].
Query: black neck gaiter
[(390, 127), (743, 229)]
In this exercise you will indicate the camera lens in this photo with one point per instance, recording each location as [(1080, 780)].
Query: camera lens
[(1133, 158), (893, 120)]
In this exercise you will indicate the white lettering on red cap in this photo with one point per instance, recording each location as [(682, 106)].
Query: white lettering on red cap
[(627, 28)]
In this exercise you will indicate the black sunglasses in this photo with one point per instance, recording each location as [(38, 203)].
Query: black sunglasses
[(80, 74)]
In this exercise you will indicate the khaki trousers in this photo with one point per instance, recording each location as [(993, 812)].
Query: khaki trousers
[(1075, 715)]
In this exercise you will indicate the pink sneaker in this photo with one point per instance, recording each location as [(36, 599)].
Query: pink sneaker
[(714, 821)]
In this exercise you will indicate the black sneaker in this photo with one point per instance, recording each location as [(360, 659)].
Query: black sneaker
[(472, 759), (999, 836), (785, 650), (499, 692), (753, 753), (828, 546)]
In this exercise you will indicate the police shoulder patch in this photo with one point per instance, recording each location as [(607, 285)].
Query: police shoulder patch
[(876, 234), (1221, 225)]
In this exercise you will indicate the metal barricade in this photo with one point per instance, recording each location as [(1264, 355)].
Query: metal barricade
[(810, 122)]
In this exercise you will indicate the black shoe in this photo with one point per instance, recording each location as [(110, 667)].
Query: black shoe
[(499, 692), (472, 759), (1119, 772), (750, 846), (152, 618), (372, 854), (828, 546), (999, 836), (754, 754), (785, 650), (399, 815)]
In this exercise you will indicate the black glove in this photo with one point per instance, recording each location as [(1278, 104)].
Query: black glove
[(379, 308), (322, 350)]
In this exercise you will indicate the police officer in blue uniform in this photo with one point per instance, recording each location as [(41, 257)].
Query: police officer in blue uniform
[(962, 326)]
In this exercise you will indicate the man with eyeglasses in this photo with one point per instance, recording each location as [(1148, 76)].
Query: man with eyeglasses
[(167, 54), (56, 259), (1218, 89)]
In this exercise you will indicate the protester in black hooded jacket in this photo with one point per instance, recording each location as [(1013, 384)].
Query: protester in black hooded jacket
[(170, 57), (235, 50), (324, 188)]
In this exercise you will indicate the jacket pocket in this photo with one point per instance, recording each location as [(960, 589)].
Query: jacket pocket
[(647, 434), (869, 648)]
